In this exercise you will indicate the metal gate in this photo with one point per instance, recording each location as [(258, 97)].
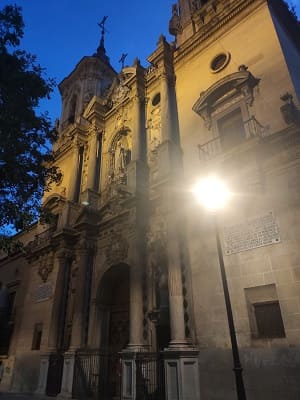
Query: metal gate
[(55, 371), (97, 375), (150, 379)]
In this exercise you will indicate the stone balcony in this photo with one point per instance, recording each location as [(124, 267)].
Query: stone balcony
[(213, 148)]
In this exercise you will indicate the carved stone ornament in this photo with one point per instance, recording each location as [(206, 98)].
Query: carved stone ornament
[(117, 251), (120, 93), (45, 268), (175, 23), (289, 111)]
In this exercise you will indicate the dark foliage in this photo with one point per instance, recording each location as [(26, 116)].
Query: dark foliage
[(26, 168)]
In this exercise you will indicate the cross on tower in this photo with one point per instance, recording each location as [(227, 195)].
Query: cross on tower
[(102, 24), (101, 48), (122, 59)]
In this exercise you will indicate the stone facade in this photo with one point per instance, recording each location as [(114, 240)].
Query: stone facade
[(130, 268)]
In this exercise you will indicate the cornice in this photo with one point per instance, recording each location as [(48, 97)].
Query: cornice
[(81, 68), (215, 28)]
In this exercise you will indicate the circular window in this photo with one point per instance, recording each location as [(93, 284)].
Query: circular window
[(219, 62), (156, 100)]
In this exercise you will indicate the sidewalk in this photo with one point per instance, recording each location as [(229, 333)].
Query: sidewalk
[(23, 396)]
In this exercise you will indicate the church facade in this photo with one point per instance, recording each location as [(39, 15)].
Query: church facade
[(121, 296)]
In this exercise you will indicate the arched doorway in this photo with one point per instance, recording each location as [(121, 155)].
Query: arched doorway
[(97, 371), (113, 304)]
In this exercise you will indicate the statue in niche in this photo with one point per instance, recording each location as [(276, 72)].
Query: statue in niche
[(121, 158), (154, 137), (122, 155)]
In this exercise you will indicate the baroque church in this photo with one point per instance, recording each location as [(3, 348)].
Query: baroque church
[(121, 297)]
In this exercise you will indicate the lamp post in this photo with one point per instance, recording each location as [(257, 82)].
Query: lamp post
[(213, 194)]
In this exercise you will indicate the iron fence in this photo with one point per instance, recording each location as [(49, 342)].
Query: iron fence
[(98, 375), (150, 380)]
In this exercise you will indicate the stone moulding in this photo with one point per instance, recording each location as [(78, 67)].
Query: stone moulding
[(239, 82)]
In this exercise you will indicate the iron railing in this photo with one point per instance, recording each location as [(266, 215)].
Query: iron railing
[(150, 380), (98, 375), (213, 147), (43, 236)]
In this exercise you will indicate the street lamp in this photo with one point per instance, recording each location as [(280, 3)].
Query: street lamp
[(213, 194)]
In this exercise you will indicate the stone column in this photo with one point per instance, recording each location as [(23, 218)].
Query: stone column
[(73, 174), (53, 339), (53, 336), (136, 299), (136, 170), (175, 287), (137, 132), (166, 112), (78, 324), (44, 365), (92, 160)]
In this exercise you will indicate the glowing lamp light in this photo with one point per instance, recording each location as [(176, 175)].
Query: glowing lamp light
[(212, 193)]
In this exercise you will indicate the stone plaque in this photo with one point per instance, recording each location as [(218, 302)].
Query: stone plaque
[(43, 292), (250, 234)]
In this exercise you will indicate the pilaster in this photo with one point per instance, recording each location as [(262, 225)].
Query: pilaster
[(62, 257), (182, 375), (175, 284), (73, 174), (136, 341), (78, 325), (68, 376), (44, 366), (92, 158)]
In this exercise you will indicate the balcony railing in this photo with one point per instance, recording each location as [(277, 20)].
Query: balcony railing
[(43, 236), (213, 147)]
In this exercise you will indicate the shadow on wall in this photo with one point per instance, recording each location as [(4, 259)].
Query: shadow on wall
[(26, 372), (267, 374)]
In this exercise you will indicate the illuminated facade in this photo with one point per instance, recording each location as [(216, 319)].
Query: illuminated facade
[(122, 296)]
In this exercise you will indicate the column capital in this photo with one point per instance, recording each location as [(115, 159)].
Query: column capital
[(63, 254)]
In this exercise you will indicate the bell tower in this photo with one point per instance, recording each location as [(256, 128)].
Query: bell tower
[(184, 8), (92, 76), (182, 24)]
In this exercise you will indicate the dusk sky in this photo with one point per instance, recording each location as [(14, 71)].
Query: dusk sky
[(61, 32)]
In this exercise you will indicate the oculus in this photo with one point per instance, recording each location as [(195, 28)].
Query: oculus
[(219, 62)]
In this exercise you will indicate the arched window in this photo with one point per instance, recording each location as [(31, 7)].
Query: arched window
[(224, 107)]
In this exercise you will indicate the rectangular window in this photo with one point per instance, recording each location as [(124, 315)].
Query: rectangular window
[(265, 317), (231, 129), (37, 336), (268, 320)]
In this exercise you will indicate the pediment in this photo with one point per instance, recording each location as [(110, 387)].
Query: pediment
[(241, 82)]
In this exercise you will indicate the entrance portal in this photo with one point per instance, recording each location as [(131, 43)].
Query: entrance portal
[(113, 300), (97, 372)]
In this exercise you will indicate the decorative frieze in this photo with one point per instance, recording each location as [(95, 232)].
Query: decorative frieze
[(117, 250)]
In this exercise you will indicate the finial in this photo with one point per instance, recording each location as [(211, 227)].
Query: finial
[(101, 49), (122, 59)]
